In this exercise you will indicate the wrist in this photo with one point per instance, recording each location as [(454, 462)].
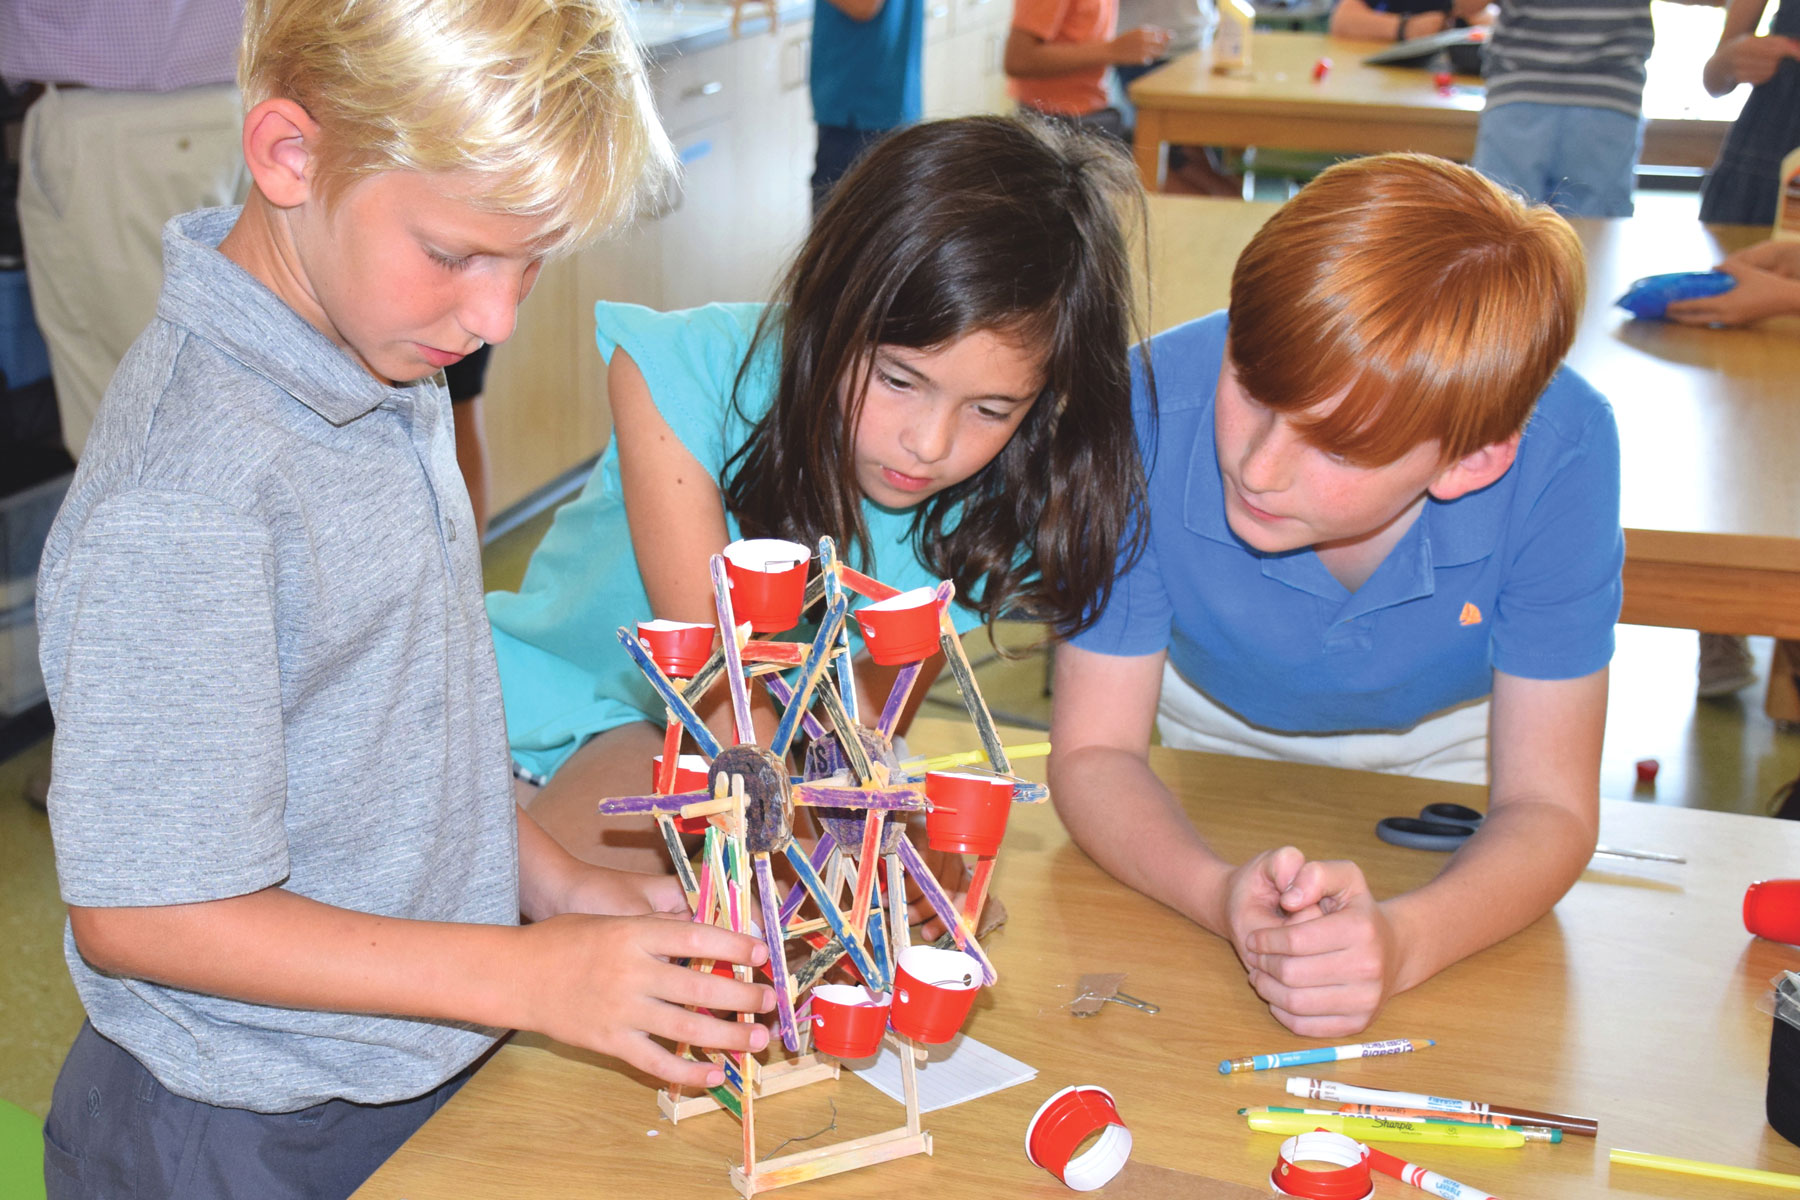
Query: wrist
[(1400, 29)]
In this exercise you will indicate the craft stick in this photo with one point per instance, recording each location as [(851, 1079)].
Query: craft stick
[(896, 892), (734, 663), (806, 1165), (874, 589), (774, 938), (786, 654), (705, 808), (828, 907), (671, 756), (909, 674), (784, 696), (711, 876), (684, 870), (909, 1081), (977, 895), (971, 695), (849, 741), (901, 798), (671, 695), (946, 911), (816, 661), (834, 874), (867, 863), (821, 854), (663, 803), (878, 947), (963, 758), (834, 588), (822, 960)]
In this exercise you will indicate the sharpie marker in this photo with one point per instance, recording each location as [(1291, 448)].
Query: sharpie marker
[(1301, 1058), (1425, 1181), (1341, 1093), (1439, 1133)]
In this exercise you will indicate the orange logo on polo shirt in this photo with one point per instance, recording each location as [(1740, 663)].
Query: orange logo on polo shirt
[(1470, 615)]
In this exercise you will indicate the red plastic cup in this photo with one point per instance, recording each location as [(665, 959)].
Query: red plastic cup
[(691, 775), (933, 992), (768, 582), (901, 629), (1065, 1121), (680, 648), (847, 1021), (968, 812), (1772, 909)]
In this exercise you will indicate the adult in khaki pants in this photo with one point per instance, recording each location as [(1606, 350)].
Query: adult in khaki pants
[(139, 120)]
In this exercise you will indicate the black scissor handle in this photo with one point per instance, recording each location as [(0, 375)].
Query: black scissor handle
[(1452, 814), (1416, 834)]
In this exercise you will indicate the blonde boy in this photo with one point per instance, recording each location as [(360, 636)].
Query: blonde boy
[(281, 800), (1383, 533)]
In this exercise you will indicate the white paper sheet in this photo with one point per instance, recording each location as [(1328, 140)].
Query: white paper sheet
[(960, 1069)]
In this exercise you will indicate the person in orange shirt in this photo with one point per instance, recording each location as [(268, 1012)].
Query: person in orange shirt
[(1058, 54)]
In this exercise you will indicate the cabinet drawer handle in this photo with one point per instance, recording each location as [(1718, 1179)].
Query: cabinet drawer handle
[(940, 12), (711, 88)]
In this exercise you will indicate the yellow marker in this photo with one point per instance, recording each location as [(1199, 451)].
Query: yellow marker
[(1687, 1166), (1382, 1129), (970, 757)]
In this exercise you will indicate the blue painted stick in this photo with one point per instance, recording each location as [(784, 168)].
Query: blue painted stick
[(816, 661), (834, 587), (892, 799), (734, 663), (784, 695), (849, 739), (684, 870), (878, 943), (796, 894), (903, 682), (678, 705), (828, 906), (774, 937), (946, 911)]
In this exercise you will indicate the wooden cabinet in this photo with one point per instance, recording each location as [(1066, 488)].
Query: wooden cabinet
[(965, 41)]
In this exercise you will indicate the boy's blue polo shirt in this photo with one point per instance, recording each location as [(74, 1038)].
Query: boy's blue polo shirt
[(867, 74), (1522, 576)]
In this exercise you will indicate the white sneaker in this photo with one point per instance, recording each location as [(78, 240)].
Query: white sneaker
[(1725, 665)]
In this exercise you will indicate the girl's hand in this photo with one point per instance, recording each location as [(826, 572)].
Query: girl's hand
[(1751, 59), (607, 984), (1326, 975), (1779, 258), (1138, 47), (1758, 294)]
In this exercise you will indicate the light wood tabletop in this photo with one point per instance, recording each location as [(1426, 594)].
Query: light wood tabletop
[(1633, 1002), (1709, 419), (1358, 109)]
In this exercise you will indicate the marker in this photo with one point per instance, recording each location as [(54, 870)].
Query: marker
[(970, 757), (1300, 1058), (1421, 1114), (1438, 1133), (1343, 1093), (1425, 1181), (1687, 1166), (1533, 1133)]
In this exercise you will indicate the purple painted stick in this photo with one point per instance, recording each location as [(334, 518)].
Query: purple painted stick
[(734, 663), (890, 799), (903, 682), (946, 911), (772, 934), (652, 804), (796, 896), (784, 696)]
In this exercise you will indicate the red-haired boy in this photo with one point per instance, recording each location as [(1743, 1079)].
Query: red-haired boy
[(1383, 533)]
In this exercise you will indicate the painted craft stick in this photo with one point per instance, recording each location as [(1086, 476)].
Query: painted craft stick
[(971, 694), (946, 911), (893, 799), (828, 907), (874, 589), (867, 863), (848, 740), (786, 654), (822, 850), (909, 674), (834, 589), (774, 937), (878, 947), (671, 756), (784, 696), (684, 870), (896, 891), (734, 663), (978, 888), (671, 695), (816, 661)]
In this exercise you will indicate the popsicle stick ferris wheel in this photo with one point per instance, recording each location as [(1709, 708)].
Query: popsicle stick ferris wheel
[(848, 902)]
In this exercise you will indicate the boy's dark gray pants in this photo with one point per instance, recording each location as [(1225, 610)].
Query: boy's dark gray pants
[(114, 1133)]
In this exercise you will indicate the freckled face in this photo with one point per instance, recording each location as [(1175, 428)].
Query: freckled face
[(1283, 493), (409, 276), (933, 418)]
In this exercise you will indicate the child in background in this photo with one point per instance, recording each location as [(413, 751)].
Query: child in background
[(280, 801), (866, 79), (1741, 187), (1375, 503), (1402, 20), (1565, 99), (1058, 53), (943, 388)]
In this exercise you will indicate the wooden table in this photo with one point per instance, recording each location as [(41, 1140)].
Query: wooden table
[(1358, 109), (1709, 420), (1634, 1002)]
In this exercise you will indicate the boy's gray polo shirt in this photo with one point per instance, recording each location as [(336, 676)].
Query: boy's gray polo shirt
[(263, 638)]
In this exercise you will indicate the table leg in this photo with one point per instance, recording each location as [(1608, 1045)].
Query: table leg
[(1148, 149)]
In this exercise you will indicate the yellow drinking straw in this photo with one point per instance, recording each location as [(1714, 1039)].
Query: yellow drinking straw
[(970, 757), (1687, 1166)]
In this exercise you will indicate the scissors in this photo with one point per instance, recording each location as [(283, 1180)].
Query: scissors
[(1447, 826), (1437, 827)]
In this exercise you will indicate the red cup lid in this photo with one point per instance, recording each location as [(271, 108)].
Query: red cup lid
[(1066, 1120)]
